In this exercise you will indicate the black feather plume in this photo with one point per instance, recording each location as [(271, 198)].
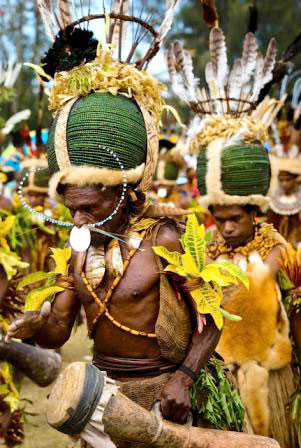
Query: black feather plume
[(253, 19), (72, 47)]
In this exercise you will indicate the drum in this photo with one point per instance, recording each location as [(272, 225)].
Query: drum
[(85, 402)]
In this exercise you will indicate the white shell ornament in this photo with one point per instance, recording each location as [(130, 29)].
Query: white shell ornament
[(80, 239)]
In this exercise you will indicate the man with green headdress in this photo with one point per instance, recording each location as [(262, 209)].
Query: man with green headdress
[(233, 172), (102, 154)]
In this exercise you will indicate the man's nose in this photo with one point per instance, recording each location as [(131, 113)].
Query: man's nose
[(228, 228), (80, 219)]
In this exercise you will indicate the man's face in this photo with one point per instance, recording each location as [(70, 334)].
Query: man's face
[(35, 199), (234, 223), (287, 182), (93, 203)]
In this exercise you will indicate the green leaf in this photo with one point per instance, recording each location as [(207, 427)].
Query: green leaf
[(33, 278), (283, 280), (37, 297), (194, 240), (230, 316), (170, 257)]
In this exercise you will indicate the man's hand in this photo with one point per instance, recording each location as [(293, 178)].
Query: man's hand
[(175, 399), (29, 323)]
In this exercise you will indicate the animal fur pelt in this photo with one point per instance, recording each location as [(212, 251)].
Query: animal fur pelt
[(262, 335), (257, 345)]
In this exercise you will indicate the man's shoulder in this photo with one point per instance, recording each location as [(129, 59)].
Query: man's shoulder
[(169, 236)]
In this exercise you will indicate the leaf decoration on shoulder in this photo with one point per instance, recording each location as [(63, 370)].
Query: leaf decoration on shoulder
[(204, 280)]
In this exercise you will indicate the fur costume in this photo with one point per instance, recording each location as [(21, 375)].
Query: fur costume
[(258, 349)]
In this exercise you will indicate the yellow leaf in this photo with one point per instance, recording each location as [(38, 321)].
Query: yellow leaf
[(170, 257), (7, 225), (37, 297), (194, 241), (11, 263), (33, 278), (189, 264), (40, 71), (235, 272), (212, 273), (208, 301), (61, 258), (176, 270), (4, 244)]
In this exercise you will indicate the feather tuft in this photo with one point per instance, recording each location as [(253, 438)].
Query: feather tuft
[(184, 65), (210, 13)]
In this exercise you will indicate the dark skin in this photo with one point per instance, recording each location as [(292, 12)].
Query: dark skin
[(35, 199), (236, 224), (135, 302), (287, 182)]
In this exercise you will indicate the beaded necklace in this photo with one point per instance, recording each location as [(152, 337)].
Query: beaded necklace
[(103, 305), (266, 238)]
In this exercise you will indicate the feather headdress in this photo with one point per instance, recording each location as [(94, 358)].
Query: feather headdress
[(228, 105)]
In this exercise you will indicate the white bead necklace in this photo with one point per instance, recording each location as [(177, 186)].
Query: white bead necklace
[(80, 238)]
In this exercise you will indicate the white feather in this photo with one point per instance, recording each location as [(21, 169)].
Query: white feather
[(258, 77), (249, 55), (218, 52), (48, 18), (12, 121), (235, 84)]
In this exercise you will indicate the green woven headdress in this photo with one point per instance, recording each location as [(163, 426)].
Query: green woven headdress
[(107, 108), (232, 117), (36, 181), (97, 124), (239, 174)]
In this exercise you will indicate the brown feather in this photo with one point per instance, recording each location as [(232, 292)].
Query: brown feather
[(210, 13), (64, 13)]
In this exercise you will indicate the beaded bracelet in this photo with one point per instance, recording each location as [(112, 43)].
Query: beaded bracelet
[(81, 239)]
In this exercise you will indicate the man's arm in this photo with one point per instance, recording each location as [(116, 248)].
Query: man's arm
[(51, 327), (175, 396)]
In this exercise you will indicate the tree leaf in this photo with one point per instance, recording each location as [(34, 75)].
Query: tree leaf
[(212, 273), (39, 70), (33, 278), (176, 270), (170, 257), (208, 302), (194, 240), (235, 271), (61, 258), (37, 297), (230, 316), (189, 265), (7, 225), (11, 263), (3, 389)]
